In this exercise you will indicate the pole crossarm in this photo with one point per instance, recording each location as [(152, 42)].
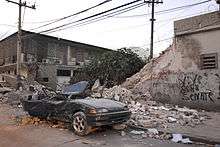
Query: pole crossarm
[(152, 1), (22, 4)]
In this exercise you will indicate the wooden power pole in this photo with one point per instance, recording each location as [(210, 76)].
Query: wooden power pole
[(153, 2), (19, 45)]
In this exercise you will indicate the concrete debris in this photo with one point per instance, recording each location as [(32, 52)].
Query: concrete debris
[(123, 133), (27, 120), (171, 119), (117, 93), (153, 131), (150, 114), (137, 132), (179, 138), (119, 126), (4, 90), (186, 141), (13, 97)]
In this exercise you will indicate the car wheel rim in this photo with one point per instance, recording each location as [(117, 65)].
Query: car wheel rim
[(79, 124)]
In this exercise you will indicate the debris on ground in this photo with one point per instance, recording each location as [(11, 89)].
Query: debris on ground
[(117, 93), (135, 132), (4, 90), (123, 133), (153, 131), (119, 126), (151, 114), (179, 138), (28, 120)]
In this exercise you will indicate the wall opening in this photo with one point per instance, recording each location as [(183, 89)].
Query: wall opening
[(66, 73), (209, 61), (46, 79)]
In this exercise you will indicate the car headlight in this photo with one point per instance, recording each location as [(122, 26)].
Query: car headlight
[(103, 110)]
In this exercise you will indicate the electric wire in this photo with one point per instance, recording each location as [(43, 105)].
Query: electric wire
[(92, 16), (80, 12), (101, 17), (166, 11)]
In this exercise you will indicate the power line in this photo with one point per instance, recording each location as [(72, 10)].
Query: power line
[(162, 40), (4, 34), (80, 12), (124, 10), (8, 25), (92, 16), (91, 21), (144, 24), (166, 11), (102, 17)]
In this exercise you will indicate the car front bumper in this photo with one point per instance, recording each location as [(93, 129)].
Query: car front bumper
[(109, 118)]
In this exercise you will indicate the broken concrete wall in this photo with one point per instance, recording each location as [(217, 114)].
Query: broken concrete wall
[(10, 80), (8, 49), (176, 79), (177, 75), (47, 75)]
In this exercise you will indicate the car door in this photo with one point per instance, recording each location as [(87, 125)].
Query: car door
[(36, 108), (55, 109)]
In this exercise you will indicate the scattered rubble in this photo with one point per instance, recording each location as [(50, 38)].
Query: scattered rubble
[(135, 132), (123, 133), (119, 126), (117, 93), (28, 120), (150, 114), (179, 138)]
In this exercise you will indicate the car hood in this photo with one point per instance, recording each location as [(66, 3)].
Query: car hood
[(102, 103)]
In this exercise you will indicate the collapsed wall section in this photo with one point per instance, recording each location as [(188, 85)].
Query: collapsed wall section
[(187, 73)]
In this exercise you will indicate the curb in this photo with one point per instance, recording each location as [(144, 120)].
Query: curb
[(192, 138)]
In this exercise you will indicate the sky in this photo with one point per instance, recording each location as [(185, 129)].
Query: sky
[(114, 32)]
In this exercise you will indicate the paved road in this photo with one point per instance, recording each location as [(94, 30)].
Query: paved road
[(12, 135)]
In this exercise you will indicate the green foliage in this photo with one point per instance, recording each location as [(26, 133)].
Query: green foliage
[(112, 68)]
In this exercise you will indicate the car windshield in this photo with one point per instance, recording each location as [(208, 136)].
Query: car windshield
[(77, 88)]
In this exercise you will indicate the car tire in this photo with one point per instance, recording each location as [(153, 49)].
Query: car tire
[(80, 125)]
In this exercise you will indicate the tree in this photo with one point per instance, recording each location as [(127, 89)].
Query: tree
[(112, 68)]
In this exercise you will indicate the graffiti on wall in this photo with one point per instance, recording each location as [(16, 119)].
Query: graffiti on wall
[(193, 87)]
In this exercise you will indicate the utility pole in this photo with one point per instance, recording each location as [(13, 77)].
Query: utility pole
[(19, 45), (153, 2)]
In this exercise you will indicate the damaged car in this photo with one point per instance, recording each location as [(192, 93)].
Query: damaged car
[(75, 107)]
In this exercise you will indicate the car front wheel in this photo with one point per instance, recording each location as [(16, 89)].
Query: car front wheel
[(80, 125)]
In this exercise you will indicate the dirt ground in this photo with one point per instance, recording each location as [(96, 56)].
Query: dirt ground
[(13, 135)]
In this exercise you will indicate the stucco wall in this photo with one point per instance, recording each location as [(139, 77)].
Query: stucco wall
[(48, 71)]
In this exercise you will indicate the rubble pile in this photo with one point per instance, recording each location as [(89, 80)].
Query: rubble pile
[(12, 98), (119, 93), (152, 115)]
